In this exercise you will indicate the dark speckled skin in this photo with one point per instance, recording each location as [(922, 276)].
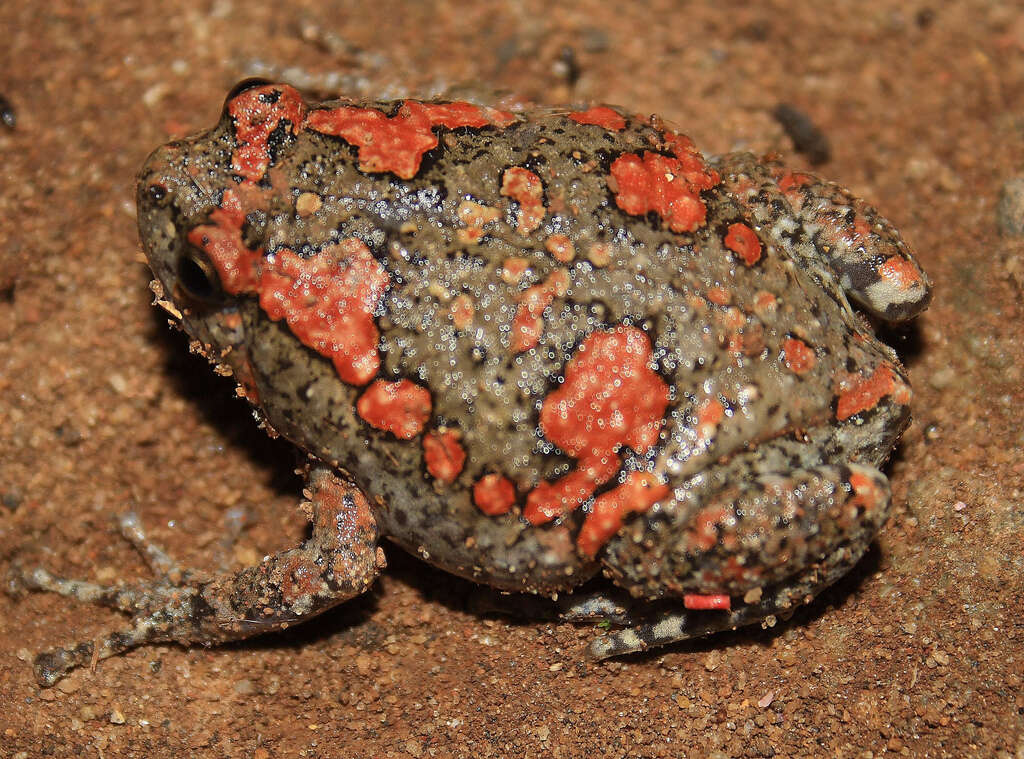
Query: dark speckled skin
[(779, 421), (781, 403)]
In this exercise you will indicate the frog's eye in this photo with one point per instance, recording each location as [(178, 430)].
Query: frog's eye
[(197, 277)]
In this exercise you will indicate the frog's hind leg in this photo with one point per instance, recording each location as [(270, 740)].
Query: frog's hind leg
[(744, 552), (339, 561)]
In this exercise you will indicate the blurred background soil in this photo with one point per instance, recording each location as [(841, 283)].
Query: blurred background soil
[(917, 653)]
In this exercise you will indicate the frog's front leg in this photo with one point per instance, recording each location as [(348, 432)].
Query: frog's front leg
[(744, 553), (339, 561)]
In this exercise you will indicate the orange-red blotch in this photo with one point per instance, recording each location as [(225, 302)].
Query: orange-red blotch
[(799, 358), (600, 115), (237, 266), (328, 302), (638, 493), (709, 602), (401, 408), (656, 183), (611, 397), (494, 494), (257, 113), (790, 184), (525, 187), (866, 493), (528, 323), (561, 248), (900, 272), (742, 240), (865, 392), (398, 143), (444, 454), (550, 500)]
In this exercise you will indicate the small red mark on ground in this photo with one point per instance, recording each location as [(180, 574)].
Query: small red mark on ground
[(443, 454), (401, 408), (398, 143), (525, 187), (799, 358), (742, 240), (700, 602), (494, 494), (638, 493), (600, 115)]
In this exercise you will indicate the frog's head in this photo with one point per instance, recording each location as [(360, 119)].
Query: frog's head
[(201, 226)]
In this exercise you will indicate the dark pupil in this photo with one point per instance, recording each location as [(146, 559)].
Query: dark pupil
[(195, 279)]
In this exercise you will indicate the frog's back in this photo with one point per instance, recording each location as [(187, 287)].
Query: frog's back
[(492, 318)]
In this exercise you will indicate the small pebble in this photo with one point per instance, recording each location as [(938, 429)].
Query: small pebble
[(1010, 210)]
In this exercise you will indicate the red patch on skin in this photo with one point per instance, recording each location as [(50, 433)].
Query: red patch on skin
[(528, 324), (610, 398), (443, 454), (709, 416), (652, 183), (900, 272), (799, 358), (257, 113), (561, 248), (712, 602), (668, 186), (461, 311), (398, 143), (638, 493), (719, 296), (790, 184), (704, 535), (525, 187), (866, 494), (494, 494), (401, 408), (328, 300), (742, 240), (601, 116), (865, 392)]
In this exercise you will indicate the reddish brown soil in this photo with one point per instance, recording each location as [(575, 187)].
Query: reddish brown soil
[(917, 653)]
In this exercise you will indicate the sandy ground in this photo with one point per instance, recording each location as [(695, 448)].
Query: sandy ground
[(918, 652)]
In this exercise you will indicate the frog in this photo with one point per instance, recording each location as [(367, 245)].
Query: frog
[(533, 346)]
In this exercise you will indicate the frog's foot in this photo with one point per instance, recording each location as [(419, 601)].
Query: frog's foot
[(676, 625), (752, 551), (339, 561), (832, 233)]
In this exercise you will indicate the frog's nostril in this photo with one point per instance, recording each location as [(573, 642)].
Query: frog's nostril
[(198, 278)]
